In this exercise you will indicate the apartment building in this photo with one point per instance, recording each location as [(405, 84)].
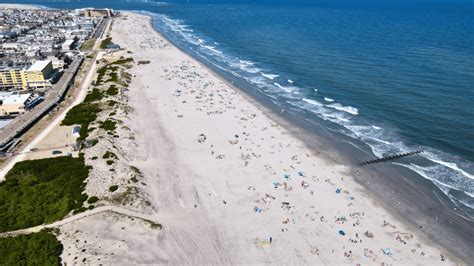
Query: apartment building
[(37, 76)]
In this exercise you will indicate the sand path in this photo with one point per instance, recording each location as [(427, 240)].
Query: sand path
[(82, 215)]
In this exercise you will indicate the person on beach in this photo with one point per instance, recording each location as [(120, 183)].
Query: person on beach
[(271, 240)]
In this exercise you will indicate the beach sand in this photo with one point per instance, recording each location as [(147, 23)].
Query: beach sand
[(231, 185), (18, 6)]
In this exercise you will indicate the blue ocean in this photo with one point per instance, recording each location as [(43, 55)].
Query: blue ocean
[(390, 78)]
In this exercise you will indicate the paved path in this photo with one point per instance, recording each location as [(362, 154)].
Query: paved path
[(79, 216)]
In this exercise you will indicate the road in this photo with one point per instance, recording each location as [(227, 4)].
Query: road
[(100, 29), (79, 216), (57, 120)]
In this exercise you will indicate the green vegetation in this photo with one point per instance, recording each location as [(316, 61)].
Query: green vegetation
[(111, 70), (92, 200), (35, 249), (135, 170), (122, 61), (88, 45), (109, 154), (83, 114), (107, 70), (109, 125), (155, 226), (128, 196), (42, 191), (93, 96), (105, 42), (100, 74), (109, 162), (113, 188), (113, 77), (93, 142), (113, 90)]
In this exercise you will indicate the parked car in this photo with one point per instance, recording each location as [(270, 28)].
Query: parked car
[(55, 152)]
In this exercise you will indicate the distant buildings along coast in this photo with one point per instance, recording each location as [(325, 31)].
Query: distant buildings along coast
[(37, 48)]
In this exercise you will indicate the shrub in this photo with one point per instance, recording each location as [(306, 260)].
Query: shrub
[(122, 61), (35, 249), (92, 200), (93, 96), (113, 188), (109, 125), (105, 43), (42, 191), (83, 114), (109, 154), (113, 90)]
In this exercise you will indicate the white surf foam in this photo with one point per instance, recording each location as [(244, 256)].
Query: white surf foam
[(270, 76), (212, 48), (291, 81), (336, 118), (313, 102), (452, 166), (422, 171), (245, 62), (328, 99), (283, 87), (347, 109)]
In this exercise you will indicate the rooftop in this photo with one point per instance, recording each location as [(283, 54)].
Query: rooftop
[(10, 98), (39, 65)]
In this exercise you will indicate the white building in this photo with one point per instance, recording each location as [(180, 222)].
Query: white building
[(67, 45), (12, 104)]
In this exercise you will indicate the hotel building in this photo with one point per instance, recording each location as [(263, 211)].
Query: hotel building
[(35, 77)]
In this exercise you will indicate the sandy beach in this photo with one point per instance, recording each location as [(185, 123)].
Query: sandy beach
[(231, 185), (18, 6)]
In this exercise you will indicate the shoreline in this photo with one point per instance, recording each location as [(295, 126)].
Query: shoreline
[(20, 6), (164, 118), (419, 205)]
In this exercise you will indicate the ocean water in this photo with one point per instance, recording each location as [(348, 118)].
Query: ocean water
[(391, 79)]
